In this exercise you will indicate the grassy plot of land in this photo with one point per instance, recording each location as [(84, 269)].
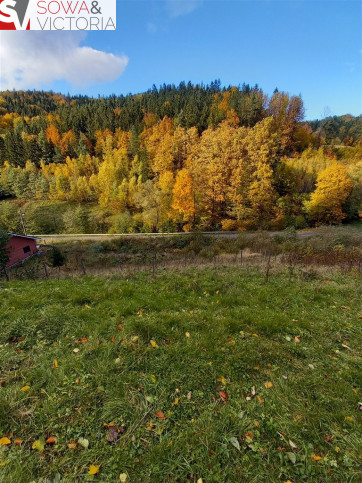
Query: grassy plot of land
[(210, 374)]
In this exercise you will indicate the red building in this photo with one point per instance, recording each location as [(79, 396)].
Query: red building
[(20, 248)]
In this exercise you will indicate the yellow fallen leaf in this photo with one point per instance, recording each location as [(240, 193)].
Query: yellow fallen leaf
[(123, 477), (316, 457), (268, 385), (200, 480), (188, 335), (153, 343), (93, 469), (222, 380), (175, 403), (5, 441), (25, 388), (38, 445), (134, 339), (72, 445), (55, 364), (349, 419), (3, 463)]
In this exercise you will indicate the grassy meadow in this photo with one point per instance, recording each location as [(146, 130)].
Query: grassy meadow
[(195, 375)]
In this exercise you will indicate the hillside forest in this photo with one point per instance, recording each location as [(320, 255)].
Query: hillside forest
[(175, 158)]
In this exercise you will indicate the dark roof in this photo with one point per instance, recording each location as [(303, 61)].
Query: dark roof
[(24, 236)]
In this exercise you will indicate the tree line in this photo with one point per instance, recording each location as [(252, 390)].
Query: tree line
[(178, 158)]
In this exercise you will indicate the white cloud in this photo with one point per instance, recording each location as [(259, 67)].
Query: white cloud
[(33, 60), (176, 8)]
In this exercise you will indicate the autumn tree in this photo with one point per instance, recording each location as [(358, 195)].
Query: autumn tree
[(184, 196), (332, 190)]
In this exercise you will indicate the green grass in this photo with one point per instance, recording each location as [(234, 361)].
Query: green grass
[(240, 328)]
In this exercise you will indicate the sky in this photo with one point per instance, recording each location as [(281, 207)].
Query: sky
[(307, 47)]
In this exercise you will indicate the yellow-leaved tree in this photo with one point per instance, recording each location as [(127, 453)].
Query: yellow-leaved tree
[(326, 202)]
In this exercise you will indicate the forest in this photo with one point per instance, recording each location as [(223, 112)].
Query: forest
[(175, 158)]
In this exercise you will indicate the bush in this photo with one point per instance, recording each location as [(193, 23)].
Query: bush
[(96, 248), (229, 225), (56, 258)]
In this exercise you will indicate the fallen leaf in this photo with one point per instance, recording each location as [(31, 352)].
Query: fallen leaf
[(189, 395), (84, 340), (83, 442), (248, 437), (188, 335), (222, 380), (55, 364), (253, 391), (153, 343), (316, 458), (234, 441), (5, 441), (259, 399), (268, 385), (297, 339), (328, 438), (293, 445), (123, 477), (51, 440), (160, 415), (112, 434), (292, 457), (120, 327), (25, 388), (72, 445), (18, 441), (176, 401), (38, 445), (134, 339), (76, 350), (93, 469), (345, 346), (200, 480), (223, 396), (112, 338)]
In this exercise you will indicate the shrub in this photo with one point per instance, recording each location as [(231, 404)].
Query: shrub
[(56, 258)]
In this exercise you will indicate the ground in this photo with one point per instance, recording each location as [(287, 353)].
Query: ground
[(206, 374)]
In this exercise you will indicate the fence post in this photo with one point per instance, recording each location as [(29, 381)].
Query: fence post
[(46, 270), (267, 268), (241, 257), (83, 267)]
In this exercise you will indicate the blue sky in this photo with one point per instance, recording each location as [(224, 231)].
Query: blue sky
[(304, 47)]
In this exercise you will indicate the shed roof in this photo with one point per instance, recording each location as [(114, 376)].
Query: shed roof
[(24, 236)]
